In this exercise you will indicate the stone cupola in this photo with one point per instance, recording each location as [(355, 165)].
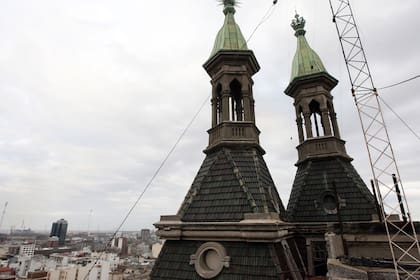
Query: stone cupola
[(326, 187), (310, 87), (231, 66)]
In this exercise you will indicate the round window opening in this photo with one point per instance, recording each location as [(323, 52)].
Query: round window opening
[(210, 260), (329, 203)]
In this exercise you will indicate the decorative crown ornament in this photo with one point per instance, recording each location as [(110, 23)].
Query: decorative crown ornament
[(229, 6), (298, 24)]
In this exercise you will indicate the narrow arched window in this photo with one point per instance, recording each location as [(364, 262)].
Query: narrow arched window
[(236, 102), (315, 110)]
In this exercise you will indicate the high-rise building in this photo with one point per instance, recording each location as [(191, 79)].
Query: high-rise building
[(123, 246), (145, 235), (59, 229)]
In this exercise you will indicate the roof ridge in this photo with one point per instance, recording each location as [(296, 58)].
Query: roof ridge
[(260, 184), (195, 187), (293, 204), (363, 189), (241, 181)]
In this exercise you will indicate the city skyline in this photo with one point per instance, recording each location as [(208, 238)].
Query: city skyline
[(95, 95)]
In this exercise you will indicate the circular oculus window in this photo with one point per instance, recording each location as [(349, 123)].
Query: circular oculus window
[(210, 259), (329, 203)]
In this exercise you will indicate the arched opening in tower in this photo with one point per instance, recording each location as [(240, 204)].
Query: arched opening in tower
[(236, 102), (315, 110)]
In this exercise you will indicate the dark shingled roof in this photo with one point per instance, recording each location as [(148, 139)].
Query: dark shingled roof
[(230, 183), (314, 182), (247, 261)]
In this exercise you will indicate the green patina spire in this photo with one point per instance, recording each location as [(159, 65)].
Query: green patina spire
[(306, 60), (230, 36)]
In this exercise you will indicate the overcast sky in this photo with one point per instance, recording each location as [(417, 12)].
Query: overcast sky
[(95, 93)]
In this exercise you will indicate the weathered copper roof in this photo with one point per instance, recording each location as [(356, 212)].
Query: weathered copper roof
[(230, 36), (306, 61)]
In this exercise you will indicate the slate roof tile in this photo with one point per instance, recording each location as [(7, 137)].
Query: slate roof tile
[(231, 182), (314, 178), (247, 261)]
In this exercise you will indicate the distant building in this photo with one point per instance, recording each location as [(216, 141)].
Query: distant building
[(123, 246), (37, 275), (6, 273), (59, 229), (13, 250), (53, 242), (99, 271), (116, 275), (3, 237), (69, 273), (27, 249), (3, 252), (145, 235)]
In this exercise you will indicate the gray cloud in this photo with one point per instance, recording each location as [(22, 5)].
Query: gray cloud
[(94, 94)]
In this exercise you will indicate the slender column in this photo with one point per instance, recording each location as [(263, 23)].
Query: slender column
[(219, 109), (252, 101), (247, 107), (225, 106), (308, 125), (335, 124), (326, 122), (316, 125), (299, 123), (214, 112), (239, 109), (232, 109)]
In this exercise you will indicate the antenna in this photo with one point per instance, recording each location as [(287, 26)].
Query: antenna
[(3, 213), (390, 193), (89, 218)]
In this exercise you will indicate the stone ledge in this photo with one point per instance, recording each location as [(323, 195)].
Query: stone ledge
[(254, 228)]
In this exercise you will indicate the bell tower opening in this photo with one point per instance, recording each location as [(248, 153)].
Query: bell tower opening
[(315, 110), (236, 101), (231, 66)]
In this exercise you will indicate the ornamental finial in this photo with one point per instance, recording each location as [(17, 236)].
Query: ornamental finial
[(298, 24), (229, 6)]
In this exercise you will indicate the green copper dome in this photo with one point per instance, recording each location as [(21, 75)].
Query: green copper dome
[(230, 36), (306, 60)]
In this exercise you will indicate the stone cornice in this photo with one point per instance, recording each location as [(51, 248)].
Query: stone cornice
[(254, 228)]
